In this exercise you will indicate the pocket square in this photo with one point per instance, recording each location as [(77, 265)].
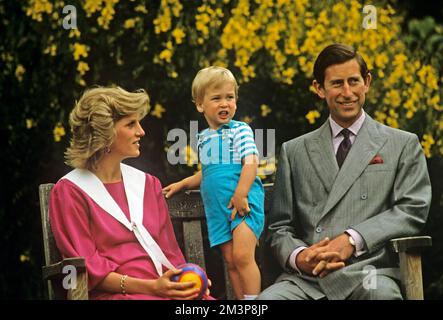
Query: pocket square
[(377, 160)]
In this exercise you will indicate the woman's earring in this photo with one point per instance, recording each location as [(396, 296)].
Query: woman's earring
[(107, 149)]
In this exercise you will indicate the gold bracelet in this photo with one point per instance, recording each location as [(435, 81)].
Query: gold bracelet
[(122, 283)]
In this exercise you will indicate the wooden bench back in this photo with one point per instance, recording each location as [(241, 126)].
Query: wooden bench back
[(187, 213)]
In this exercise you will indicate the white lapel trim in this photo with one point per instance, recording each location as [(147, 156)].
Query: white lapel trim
[(134, 183)]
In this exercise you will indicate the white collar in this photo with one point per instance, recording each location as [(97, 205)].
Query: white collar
[(354, 128), (134, 184)]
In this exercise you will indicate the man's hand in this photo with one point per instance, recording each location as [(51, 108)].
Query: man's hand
[(240, 204), (328, 262), (308, 262)]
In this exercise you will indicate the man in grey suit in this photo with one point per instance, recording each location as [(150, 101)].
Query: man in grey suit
[(342, 192)]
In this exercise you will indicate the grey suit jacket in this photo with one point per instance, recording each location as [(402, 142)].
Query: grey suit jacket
[(313, 199)]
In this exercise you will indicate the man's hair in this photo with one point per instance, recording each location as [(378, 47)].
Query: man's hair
[(92, 122), (337, 53), (211, 77)]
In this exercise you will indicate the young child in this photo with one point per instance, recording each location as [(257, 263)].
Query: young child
[(232, 194)]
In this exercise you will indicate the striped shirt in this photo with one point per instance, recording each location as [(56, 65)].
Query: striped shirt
[(229, 144)]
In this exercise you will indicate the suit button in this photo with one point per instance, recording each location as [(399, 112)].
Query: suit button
[(318, 229), (364, 196)]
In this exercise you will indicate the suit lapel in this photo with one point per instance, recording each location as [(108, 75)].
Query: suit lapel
[(321, 155), (366, 145)]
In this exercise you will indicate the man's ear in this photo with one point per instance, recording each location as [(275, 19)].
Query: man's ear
[(368, 82), (319, 88)]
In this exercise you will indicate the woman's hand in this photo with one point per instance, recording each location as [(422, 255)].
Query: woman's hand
[(166, 288), (173, 188)]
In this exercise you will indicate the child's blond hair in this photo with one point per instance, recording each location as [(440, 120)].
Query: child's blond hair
[(211, 77)]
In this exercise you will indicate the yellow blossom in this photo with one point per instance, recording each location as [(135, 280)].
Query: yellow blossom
[(24, 258), (265, 110), (29, 123), (37, 7), (74, 33), (141, 8), (427, 143), (51, 50), (82, 67), (158, 111), (191, 156), (80, 50), (312, 116), (166, 55), (266, 167), (58, 132), (247, 119), (19, 72), (129, 23), (178, 35)]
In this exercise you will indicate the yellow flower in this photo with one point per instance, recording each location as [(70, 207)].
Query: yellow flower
[(178, 35), (427, 143), (58, 132), (265, 110), (37, 7), (129, 23), (166, 55), (52, 50), (266, 168), (141, 8), (74, 33), (82, 67), (158, 111), (24, 258), (312, 115), (247, 119), (19, 72), (191, 156), (80, 50), (29, 123)]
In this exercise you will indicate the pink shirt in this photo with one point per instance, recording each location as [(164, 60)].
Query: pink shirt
[(82, 228)]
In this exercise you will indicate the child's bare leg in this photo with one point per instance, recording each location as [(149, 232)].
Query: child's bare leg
[(226, 249), (244, 242)]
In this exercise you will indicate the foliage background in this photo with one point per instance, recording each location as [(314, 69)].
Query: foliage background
[(159, 46)]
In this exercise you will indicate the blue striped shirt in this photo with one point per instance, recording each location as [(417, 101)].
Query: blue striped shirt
[(231, 143)]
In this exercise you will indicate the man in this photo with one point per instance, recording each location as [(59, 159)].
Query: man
[(342, 192)]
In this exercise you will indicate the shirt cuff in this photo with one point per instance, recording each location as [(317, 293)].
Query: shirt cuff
[(293, 258), (359, 242)]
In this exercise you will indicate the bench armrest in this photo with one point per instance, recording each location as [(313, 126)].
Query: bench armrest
[(55, 270), (409, 253), (411, 244)]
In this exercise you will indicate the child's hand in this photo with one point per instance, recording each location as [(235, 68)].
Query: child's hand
[(240, 204), (173, 188)]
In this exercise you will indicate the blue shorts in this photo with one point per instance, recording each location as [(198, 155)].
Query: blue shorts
[(219, 182)]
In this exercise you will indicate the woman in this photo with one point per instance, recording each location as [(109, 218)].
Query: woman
[(111, 214)]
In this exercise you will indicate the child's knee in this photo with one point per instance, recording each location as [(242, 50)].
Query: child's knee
[(242, 259)]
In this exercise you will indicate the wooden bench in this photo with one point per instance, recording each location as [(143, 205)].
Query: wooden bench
[(187, 213)]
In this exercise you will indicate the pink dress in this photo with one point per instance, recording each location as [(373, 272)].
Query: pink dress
[(82, 228)]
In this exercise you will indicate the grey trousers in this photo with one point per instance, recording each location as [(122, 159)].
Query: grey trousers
[(386, 289)]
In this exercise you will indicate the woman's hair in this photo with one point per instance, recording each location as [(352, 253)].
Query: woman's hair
[(211, 77), (92, 122)]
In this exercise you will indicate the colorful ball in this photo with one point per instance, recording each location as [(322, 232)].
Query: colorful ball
[(192, 272)]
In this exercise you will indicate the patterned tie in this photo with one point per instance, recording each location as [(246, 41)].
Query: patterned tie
[(344, 147)]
